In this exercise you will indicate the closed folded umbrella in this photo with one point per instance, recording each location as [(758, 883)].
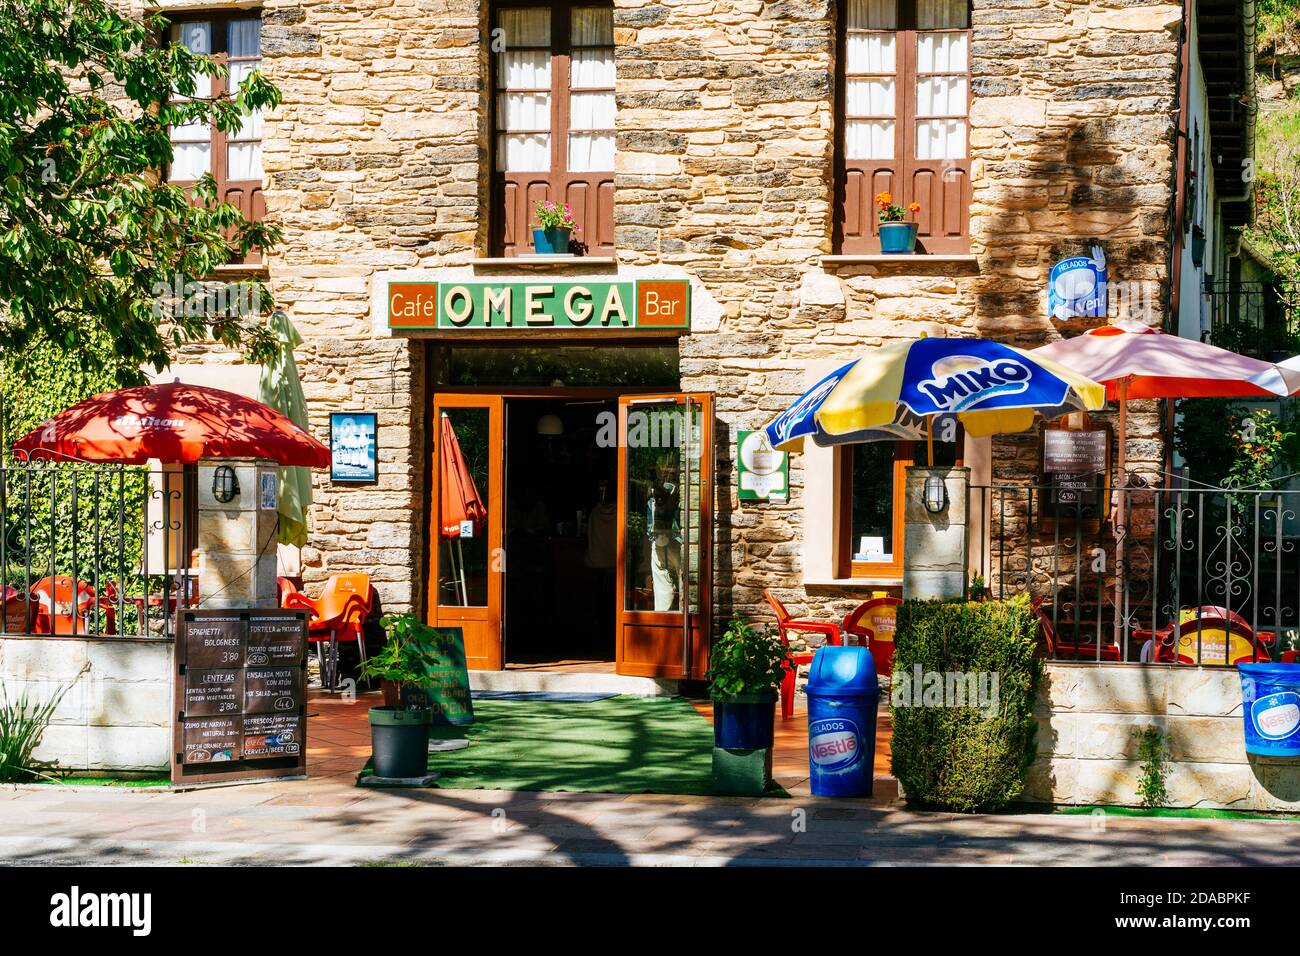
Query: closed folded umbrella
[(459, 500), (280, 387)]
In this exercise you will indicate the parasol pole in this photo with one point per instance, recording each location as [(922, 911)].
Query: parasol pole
[(1121, 507), (929, 439)]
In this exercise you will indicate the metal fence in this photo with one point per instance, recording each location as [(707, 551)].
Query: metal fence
[(1261, 319), (96, 549), (1187, 575)]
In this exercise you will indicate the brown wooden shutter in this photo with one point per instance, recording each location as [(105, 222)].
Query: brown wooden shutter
[(941, 186), (590, 194)]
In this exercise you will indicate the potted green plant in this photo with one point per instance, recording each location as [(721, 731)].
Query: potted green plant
[(896, 235), (556, 227), (748, 665), (399, 735)]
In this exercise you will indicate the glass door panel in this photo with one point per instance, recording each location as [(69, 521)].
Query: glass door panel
[(665, 463), (467, 564)]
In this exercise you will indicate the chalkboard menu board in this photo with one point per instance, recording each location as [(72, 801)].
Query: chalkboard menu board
[(1075, 465), (241, 695)]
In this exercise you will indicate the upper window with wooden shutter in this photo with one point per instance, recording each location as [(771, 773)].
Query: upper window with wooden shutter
[(905, 102), (554, 119), (234, 159)]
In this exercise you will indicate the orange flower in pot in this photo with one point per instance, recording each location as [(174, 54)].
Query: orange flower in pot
[(897, 236)]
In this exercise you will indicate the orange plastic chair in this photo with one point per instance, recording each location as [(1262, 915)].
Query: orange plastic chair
[(784, 622), (339, 613), (63, 605), (877, 632)]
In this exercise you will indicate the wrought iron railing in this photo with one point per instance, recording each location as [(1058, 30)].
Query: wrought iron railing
[(1261, 319), (1198, 575), (95, 549)]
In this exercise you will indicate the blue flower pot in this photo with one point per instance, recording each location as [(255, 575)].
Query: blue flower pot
[(898, 237), (551, 242), (745, 722)]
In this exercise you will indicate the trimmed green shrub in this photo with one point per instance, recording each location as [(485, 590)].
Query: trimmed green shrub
[(951, 752)]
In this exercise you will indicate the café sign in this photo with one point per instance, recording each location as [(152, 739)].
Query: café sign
[(478, 305)]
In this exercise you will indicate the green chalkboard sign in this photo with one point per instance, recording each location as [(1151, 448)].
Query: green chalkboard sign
[(447, 690)]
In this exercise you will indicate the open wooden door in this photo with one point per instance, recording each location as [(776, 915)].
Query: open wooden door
[(665, 498), (466, 560)]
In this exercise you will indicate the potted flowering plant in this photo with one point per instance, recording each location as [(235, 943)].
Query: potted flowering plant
[(400, 733), (556, 227), (896, 236)]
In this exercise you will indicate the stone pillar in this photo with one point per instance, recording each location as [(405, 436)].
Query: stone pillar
[(237, 538), (935, 545)]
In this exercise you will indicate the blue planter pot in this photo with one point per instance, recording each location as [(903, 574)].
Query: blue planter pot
[(551, 242), (897, 237), (745, 723)]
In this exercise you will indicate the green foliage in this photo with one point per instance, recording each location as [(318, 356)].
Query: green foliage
[(88, 232), (1224, 442), (39, 525), (22, 725), (747, 660), (966, 758), (408, 655), (1153, 749)]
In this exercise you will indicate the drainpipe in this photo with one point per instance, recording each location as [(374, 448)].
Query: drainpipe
[(1250, 104)]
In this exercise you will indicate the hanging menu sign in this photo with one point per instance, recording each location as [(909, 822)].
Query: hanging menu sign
[(240, 693), (1074, 469)]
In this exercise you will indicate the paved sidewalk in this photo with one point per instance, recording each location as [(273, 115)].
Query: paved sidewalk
[(328, 821)]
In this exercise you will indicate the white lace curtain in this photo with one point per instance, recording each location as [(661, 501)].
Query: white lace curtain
[(192, 142), (871, 102), (524, 100), (244, 147)]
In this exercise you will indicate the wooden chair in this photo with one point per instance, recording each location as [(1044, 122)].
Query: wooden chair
[(339, 613), (784, 623), (880, 613)]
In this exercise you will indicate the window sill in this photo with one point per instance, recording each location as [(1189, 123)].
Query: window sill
[(544, 262), (258, 269), (882, 581), (920, 259)]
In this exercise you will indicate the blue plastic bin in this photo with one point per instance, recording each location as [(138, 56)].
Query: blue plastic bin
[(1270, 708), (842, 695)]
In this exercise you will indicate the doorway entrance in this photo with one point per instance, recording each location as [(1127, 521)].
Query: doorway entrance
[(570, 524), (561, 531)]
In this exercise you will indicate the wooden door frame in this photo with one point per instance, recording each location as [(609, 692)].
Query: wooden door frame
[(701, 627), (434, 612)]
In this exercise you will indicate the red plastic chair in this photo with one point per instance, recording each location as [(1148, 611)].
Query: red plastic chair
[(784, 622), (339, 613), (880, 645), (63, 605), (16, 609), (1082, 650)]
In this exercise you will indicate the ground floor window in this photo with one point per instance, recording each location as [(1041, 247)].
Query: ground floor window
[(873, 478)]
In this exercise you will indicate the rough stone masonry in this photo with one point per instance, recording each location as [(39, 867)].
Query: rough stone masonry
[(379, 159)]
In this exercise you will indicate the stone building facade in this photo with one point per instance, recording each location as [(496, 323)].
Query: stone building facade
[(728, 128)]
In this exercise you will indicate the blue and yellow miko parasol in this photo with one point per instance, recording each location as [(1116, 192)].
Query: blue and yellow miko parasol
[(897, 391)]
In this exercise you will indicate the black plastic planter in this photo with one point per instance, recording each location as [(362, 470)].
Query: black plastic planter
[(399, 740)]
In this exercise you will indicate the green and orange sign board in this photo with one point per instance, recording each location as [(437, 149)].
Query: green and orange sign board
[(601, 305)]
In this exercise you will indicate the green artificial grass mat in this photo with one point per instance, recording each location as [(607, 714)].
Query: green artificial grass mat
[(1201, 813), (106, 782), (618, 745)]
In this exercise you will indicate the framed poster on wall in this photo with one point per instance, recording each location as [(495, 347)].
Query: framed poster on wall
[(354, 447)]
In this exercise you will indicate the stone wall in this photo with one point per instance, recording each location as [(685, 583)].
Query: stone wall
[(378, 160), (116, 716), (1087, 753)]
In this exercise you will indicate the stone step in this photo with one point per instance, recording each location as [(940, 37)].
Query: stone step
[(572, 682)]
